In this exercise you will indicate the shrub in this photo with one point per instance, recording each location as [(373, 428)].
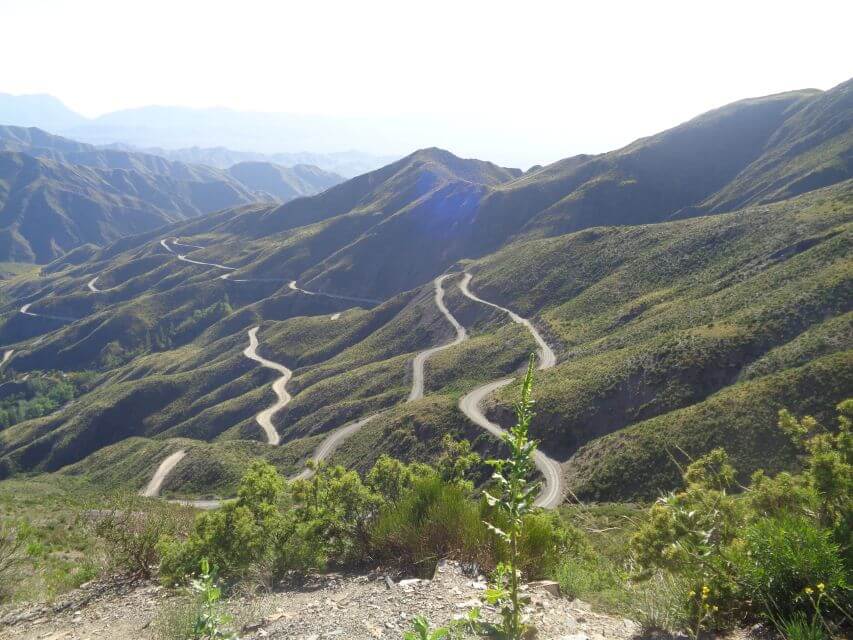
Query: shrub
[(11, 552), (433, 520), (236, 535), (785, 556), (333, 510), (657, 603), (543, 542), (588, 573), (132, 527), (390, 479)]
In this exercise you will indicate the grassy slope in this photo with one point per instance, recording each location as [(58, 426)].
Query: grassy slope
[(647, 319), (661, 317)]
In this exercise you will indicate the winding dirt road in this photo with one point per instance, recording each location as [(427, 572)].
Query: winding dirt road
[(6, 355), (547, 359), (165, 244), (418, 363), (331, 443), (551, 494), (335, 296), (264, 418), (181, 244), (26, 311), (552, 490), (152, 489)]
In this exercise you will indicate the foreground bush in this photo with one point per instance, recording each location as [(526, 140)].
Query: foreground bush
[(785, 558), (781, 551), (246, 531), (131, 528), (434, 519)]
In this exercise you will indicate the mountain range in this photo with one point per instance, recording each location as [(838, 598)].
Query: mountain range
[(200, 136), (689, 285), (57, 194)]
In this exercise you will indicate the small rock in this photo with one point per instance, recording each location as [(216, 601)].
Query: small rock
[(576, 636), (546, 585), (410, 582)]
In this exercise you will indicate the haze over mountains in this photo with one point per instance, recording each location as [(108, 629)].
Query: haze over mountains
[(215, 137), (690, 284), (57, 194)]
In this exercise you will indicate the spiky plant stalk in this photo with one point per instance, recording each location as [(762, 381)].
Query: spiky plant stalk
[(515, 500)]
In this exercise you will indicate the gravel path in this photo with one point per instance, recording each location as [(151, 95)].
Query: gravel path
[(264, 418), (552, 490)]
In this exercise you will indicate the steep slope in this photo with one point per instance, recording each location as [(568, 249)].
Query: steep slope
[(283, 183), (680, 171), (49, 206), (812, 149), (397, 227), (678, 334)]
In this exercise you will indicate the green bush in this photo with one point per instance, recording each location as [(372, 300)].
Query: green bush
[(587, 574), (784, 557), (544, 541), (132, 527), (333, 511), (236, 535), (434, 519)]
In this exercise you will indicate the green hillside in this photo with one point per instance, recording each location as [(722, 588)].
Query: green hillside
[(690, 284)]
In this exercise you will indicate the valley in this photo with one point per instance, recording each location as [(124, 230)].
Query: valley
[(400, 299), (285, 372)]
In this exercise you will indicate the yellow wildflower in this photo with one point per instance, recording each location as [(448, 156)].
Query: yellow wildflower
[(808, 590), (821, 587)]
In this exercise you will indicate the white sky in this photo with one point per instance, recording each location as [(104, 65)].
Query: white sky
[(518, 82)]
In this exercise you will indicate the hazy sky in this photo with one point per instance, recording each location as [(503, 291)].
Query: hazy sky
[(516, 82)]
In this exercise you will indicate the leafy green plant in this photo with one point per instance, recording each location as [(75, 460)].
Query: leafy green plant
[(456, 461), (786, 556), (513, 500), (132, 527), (421, 631), (211, 621), (433, 520), (690, 533), (237, 534), (800, 627)]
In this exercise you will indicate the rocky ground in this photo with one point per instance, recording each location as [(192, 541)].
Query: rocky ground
[(329, 606)]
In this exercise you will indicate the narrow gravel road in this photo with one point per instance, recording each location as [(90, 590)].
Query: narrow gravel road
[(26, 311), (181, 244), (264, 418), (294, 287), (91, 285), (418, 363), (552, 491), (6, 355), (334, 440), (331, 443), (547, 359), (152, 489), (180, 256)]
